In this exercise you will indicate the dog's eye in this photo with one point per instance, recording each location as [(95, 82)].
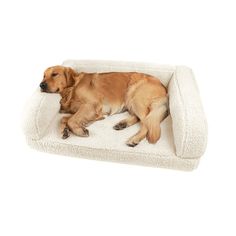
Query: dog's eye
[(54, 74)]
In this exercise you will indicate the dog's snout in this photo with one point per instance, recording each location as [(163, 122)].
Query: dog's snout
[(43, 85)]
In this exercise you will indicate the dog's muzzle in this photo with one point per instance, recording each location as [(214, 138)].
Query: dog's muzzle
[(43, 86)]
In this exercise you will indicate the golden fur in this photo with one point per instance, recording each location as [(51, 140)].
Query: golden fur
[(90, 96)]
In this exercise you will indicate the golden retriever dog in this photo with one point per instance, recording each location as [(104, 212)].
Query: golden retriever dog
[(88, 97)]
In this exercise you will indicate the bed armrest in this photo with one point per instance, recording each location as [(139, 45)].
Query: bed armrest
[(188, 119), (39, 112)]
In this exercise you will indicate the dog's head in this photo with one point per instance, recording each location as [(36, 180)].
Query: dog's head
[(57, 78)]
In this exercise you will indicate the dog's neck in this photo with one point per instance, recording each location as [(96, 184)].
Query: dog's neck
[(78, 77)]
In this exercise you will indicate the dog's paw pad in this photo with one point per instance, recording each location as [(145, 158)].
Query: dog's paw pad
[(65, 133), (131, 144), (86, 132), (120, 126)]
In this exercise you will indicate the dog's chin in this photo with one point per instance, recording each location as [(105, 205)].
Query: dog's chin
[(43, 91), (48, 91)]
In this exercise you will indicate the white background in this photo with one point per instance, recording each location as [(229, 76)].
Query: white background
[(42, 194)]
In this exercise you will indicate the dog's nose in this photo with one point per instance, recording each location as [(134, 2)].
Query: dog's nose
[(43, 85)]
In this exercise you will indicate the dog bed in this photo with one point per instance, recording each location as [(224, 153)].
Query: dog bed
[(183, 133)]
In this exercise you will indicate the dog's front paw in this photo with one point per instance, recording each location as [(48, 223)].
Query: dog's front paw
[(85, 132), (66, 133), (80, 131)]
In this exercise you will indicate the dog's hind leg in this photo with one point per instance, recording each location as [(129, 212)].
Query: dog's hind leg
[(126, 122), (150, 123), (140, 135), (140, 111)]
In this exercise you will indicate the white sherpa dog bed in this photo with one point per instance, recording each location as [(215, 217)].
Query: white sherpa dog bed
[(184, 132)]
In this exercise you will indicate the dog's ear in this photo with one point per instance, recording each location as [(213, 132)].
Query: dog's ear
[(70, 76), (66, 94)]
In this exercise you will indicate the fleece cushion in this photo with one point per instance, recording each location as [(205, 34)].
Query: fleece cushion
[(184, 131)]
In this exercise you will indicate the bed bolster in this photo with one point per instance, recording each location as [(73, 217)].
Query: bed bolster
[(39, 112), (188, 119)]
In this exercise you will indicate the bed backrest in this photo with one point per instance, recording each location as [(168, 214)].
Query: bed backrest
[(163, 72)]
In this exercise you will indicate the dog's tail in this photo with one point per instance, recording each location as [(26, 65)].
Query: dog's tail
[(158, 112)]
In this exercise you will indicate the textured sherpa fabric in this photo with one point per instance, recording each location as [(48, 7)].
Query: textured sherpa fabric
[(184, 131)]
